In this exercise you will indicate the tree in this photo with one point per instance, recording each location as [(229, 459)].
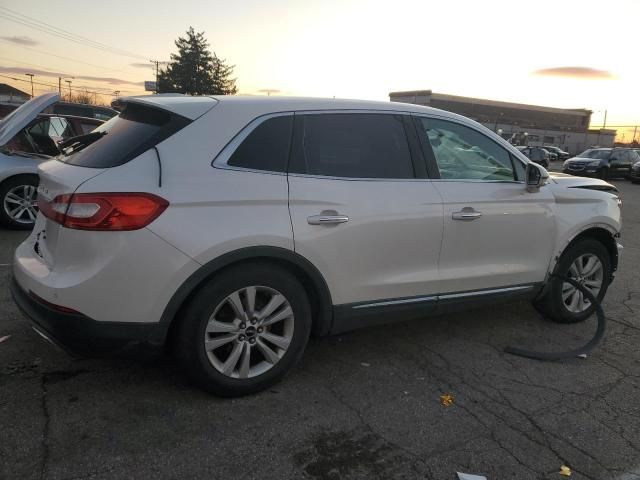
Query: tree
[(195, 70)]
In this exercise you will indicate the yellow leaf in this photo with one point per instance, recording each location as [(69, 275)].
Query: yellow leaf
[(446, 400), (565, 471)]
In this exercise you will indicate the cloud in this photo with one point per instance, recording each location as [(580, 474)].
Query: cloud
[(21, 40), (583, 73), (140, 64), (49, 73)]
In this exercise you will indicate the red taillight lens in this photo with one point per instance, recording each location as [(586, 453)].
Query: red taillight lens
[(104, 211)]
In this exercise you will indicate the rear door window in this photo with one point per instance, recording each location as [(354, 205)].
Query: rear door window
[(134, 131), (351, 145)]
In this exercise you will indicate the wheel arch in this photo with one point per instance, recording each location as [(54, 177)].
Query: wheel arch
[(16, 175), (601, 233), (310, 278)]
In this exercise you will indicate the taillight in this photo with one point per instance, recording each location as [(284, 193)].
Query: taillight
[(104, 211)]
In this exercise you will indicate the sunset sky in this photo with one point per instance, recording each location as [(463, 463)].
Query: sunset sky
[(503, 50)]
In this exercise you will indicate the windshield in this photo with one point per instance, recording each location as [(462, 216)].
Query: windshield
[(601, 154)]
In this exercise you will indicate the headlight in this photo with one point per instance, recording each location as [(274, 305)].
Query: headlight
[(593, 163)]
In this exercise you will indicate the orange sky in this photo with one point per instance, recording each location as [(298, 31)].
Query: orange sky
[(349, 48)]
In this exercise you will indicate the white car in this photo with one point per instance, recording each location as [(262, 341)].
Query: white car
[(233, 228)]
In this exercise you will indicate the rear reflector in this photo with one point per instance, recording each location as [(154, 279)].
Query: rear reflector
[(53, 306), (104, 211)]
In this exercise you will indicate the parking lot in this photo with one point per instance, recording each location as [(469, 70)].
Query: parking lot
[(362, 405)]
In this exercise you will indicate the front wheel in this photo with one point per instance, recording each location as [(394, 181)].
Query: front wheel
[(244, 330), (588, 263), (604, 174)]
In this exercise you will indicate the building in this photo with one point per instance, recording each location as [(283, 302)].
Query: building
[(520, 124), (10, 98)]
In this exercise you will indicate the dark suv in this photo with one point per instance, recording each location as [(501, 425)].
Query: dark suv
[(602, 162)]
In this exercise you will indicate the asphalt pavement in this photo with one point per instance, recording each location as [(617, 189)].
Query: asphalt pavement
[(365, 405)]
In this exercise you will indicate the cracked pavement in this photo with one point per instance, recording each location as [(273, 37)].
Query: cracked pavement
[(335, 418)]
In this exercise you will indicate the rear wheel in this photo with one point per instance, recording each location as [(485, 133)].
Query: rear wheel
[(18, 202), (244, 330), (588, 263)]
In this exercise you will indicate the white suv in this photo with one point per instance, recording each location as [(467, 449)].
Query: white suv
[(233, 228)]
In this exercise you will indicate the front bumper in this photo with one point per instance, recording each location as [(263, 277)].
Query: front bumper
[(77, 333)]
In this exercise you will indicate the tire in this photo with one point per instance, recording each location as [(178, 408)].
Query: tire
[(604, 174), (12, 191), (204, 367), (552, 304)]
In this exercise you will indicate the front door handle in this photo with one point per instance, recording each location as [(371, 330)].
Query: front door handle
[(466, 214), (327, 219)]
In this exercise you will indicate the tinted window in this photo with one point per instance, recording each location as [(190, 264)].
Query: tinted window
[(134, 131), (466, 154), (73, 110), (352, 145), (266, 147)]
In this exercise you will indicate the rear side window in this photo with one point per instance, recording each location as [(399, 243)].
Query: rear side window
[(137, 129), (266, 147), (351, 145)]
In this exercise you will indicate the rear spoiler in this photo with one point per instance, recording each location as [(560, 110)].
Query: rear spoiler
[(184, 105)]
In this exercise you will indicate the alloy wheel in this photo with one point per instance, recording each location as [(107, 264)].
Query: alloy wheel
[(588, 271), (20, 204), (249, 332)]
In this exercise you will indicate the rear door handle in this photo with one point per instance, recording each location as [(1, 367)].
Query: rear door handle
[(466, 214), (327, 219)]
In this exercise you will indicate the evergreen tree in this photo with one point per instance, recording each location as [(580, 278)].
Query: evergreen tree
[(194, 70)]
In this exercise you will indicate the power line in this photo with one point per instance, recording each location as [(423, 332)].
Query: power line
[(41, 26), (63, 57), (71, 88)]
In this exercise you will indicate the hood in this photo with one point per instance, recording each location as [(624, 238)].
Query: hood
[(25, 113), (572, 181)]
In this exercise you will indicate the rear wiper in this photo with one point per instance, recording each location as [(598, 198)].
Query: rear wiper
[(74, 144)]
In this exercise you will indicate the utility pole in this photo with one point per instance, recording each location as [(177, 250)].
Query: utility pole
[(60, 86), (30, 75), (157, 65)]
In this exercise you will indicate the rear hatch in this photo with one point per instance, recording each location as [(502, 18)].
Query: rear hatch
[(135, 131)]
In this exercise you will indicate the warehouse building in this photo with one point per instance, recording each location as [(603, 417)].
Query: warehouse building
[(520, 124)]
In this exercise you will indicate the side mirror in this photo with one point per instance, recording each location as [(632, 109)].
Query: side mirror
[(535, 176)]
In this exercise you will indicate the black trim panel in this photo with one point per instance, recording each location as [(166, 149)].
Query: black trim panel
[(78, 333), (351, 316)]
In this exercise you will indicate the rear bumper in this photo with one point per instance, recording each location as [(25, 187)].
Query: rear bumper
[(79, 334)]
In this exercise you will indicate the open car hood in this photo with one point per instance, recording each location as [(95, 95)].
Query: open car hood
[(572, 181), (25, 113)]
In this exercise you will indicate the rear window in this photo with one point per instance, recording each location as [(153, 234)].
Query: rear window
[(137, 129)]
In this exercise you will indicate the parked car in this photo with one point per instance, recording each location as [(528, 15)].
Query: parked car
[(634, 176), (27, 138), (602, 162), (232, 228), (538, 155), (560, 154)]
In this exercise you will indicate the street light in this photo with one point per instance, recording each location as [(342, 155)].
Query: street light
[(30, 75), (69, 83), (60, 84)]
